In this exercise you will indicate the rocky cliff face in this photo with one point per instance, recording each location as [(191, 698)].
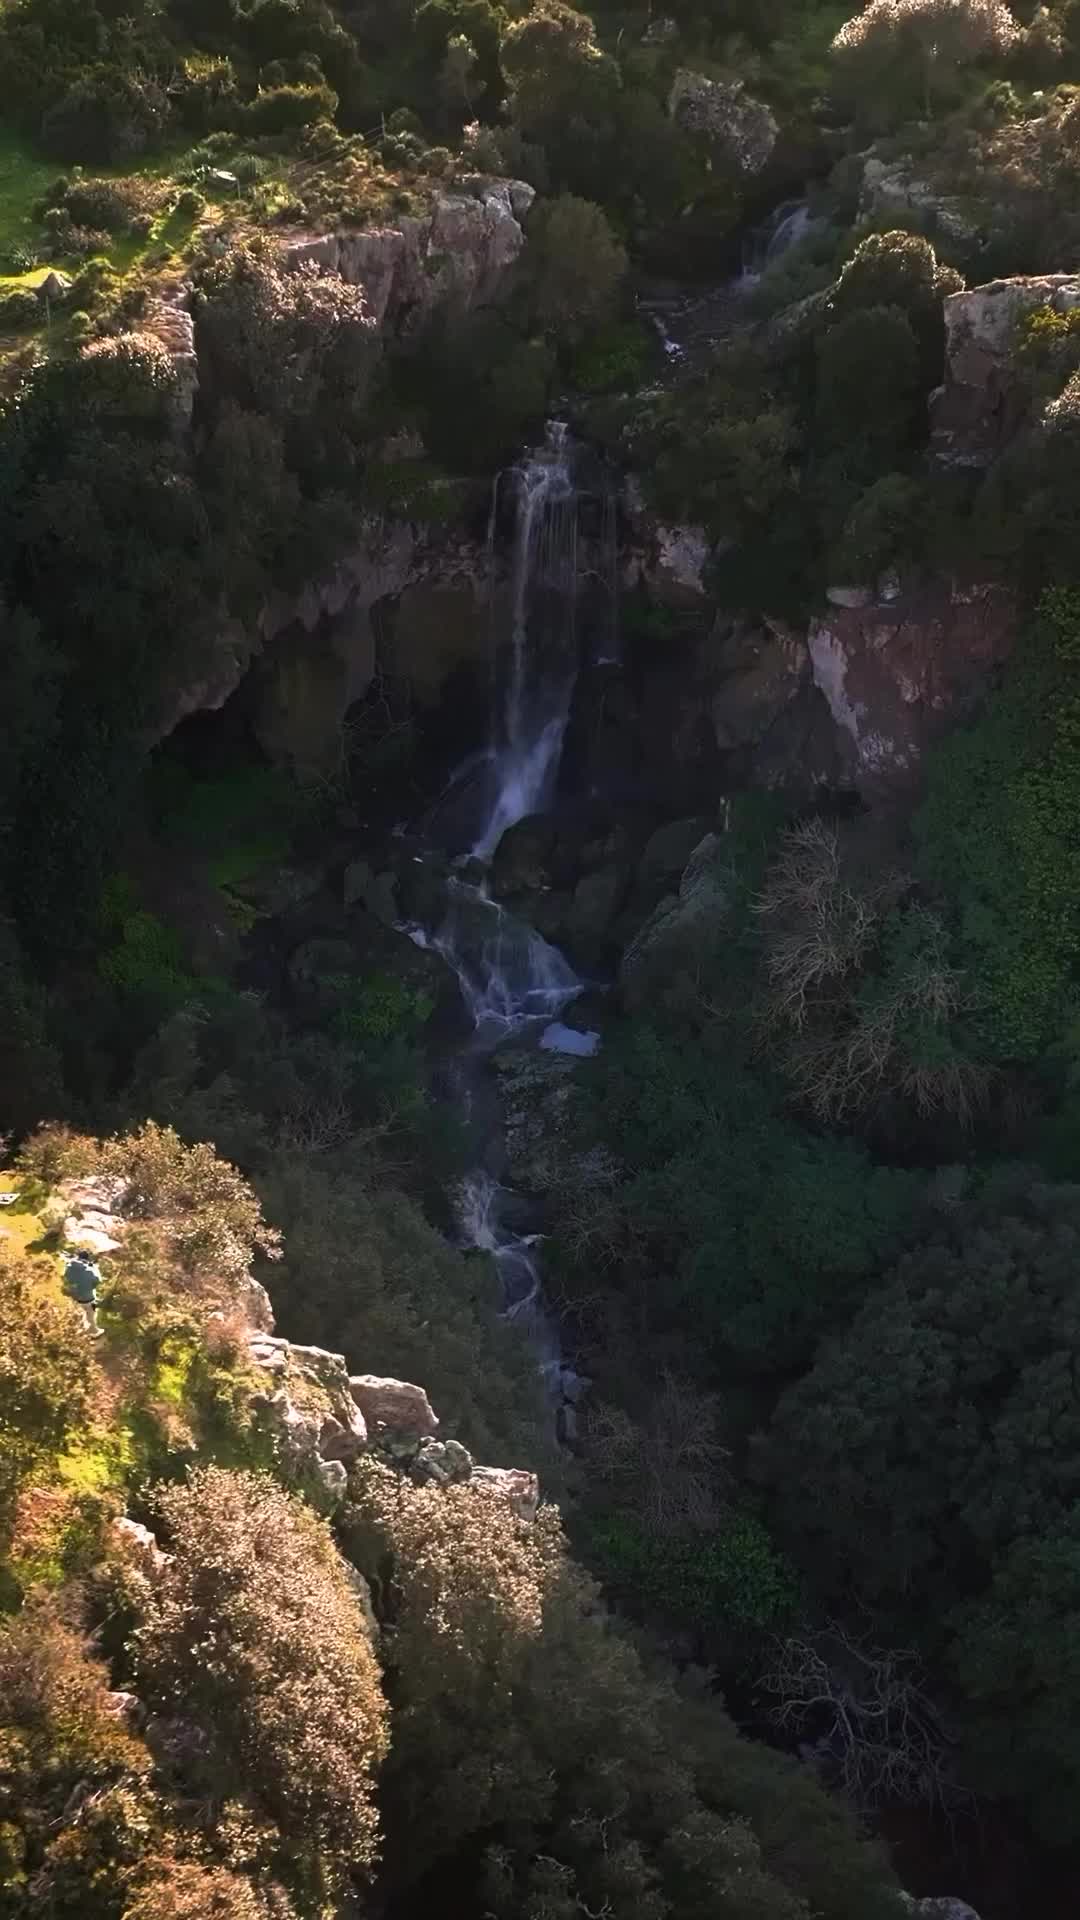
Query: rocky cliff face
[(851, 699), (893, 674), (457, 254), (983, 401)]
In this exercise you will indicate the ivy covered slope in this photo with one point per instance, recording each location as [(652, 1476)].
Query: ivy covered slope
[(272, 1644)]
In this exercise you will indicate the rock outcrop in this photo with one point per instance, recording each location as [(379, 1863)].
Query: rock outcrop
[(669, 561), (323, 1419), (893, 673), (393, 1406), (681, 924), (740, 128), (98, 1211), (458, 254), (939, 1908), (892, 190), (983, 401), (318, 652)]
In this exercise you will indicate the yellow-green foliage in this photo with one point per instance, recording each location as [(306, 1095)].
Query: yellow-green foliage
[(45, 1374)]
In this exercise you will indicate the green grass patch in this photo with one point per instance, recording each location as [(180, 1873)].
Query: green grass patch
[(24, 177), (98, 1460), (173, 1370)]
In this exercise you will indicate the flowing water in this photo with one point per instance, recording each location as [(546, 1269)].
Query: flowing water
[(514, 983), (535, 676)]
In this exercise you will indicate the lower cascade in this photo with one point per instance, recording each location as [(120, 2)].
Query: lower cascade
[(513, 982)]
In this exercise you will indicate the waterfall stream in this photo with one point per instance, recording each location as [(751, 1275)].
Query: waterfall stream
[(532, 702), (514, 983)]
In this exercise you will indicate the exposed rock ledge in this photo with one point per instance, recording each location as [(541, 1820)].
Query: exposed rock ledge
[(457, 254), (324, 1419), (983, 403), (893, 673), (312, 676)]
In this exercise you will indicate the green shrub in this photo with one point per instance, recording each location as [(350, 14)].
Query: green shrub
[(888, 527), (285, 109), (928, 1463), (733, 1580), (108, 203), (108, 114), (1000, 839), (287, 1680), (20, 308), (575, 265), (867, 378), (614, 361), (205, 93)]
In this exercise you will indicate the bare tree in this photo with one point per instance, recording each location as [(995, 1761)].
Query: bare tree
[(670, 1463), (872, 1729), (820, 926)]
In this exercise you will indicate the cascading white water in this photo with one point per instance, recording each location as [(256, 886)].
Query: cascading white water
[(511, 979), (786, 226), (508, 975), (536, 685)]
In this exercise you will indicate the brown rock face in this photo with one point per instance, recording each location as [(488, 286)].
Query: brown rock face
[(893, 674)]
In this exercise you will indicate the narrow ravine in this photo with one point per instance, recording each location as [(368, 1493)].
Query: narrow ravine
[(513, 983)]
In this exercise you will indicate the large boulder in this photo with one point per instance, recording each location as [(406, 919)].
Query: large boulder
[(895, 673), (741, 129), (984, 401), (515, 1484), (524, 857), (393, 1406)]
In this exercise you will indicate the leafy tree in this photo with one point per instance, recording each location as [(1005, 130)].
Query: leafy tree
[(575, 265), (897, 54), (901, 270), (564, 93), (867, 377), (999, 837), (487, 1610), (887, 528), (721, 450), (555, 67), (254, 1627), (297, 346), (110, 113), (930, 1462), (726, 1212)]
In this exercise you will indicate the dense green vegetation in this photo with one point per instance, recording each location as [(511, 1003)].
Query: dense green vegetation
[(817, 1251)]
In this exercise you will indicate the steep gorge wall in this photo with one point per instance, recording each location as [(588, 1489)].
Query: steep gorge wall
[(851, 698)]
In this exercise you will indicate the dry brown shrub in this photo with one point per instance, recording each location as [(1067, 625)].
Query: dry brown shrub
[(255, 1630)]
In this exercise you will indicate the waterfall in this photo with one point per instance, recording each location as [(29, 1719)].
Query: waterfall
[(513, 983), (535, 684), (508, 975), (609, 560), (789, 223)]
